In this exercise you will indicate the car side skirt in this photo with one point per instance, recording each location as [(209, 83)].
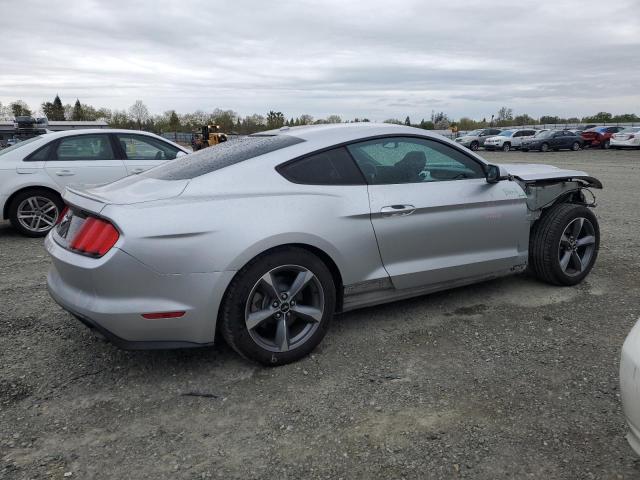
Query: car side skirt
[(376, 292)]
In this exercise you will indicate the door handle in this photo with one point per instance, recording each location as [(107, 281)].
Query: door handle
[(135, 171), (65, 173), (397, 210)]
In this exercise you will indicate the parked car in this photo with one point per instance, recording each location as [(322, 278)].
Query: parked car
[(627, 138), (33, 173), (630, 385), (553, 140), (508, 139), (599, 136), (475, 139), (264, 238)]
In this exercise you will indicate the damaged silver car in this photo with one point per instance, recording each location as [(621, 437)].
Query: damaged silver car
[(264, 238)]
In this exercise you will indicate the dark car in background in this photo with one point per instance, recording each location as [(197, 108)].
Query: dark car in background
[(599, 136), (553, 140)]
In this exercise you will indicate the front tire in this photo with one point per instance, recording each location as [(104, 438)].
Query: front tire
[(474, 146), (575, 147), (606, 144), (278, 308), (564, 244), (34, 212), (544, 147), (506, 147)]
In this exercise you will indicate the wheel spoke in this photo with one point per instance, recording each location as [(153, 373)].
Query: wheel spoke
[(255, 319), (576, 228), (588, 240), (564, 240), (268, 280), (299, 283), (310, 314), (564, 261), (49, 208), (48, 221), (282, 335), (576, 261)]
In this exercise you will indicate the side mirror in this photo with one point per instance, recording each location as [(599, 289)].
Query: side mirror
[(180, 154), (492, 174)]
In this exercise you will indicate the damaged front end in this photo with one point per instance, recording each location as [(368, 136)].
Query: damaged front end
[(546, 185)]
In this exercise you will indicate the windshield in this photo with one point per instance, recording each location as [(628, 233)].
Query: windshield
[(473, 133), (19, 145), (210, 159), (506, 133)]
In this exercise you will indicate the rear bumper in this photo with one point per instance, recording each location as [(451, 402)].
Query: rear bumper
[(111, 293), (633, 143), (630, 385)]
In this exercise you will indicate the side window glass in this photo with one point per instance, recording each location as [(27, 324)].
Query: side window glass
[(333, 167), (139, 147), (412, 160), (40, 155), (84, 147)]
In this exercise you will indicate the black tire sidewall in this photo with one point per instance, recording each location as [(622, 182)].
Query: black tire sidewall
[(553, 248), (19, 198), (232, 317)]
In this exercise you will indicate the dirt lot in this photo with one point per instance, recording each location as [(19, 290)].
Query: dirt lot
[(507, 379)]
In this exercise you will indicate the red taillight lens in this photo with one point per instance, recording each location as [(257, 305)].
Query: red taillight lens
[(95, 237), (62, 214)]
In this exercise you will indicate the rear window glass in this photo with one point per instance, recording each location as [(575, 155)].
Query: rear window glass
[(210, 159)]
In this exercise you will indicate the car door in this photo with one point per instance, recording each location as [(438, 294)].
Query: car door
[(436, 219), (142, 152), (84, 159)]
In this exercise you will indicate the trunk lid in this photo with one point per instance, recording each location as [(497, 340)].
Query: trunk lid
[(129, 190)]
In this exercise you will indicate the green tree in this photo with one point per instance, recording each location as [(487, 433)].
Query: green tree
[(407, 121), (174, 121), (77, 114), (275, 119), (334, 119), (20, 108), (427, 125)]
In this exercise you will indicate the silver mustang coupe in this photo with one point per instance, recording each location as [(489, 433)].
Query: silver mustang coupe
[(264, 238)]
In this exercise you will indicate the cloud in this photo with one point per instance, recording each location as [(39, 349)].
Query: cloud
[(358, 58)]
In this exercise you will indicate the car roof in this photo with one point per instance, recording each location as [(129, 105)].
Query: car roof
[(87, 131), (345, 132)]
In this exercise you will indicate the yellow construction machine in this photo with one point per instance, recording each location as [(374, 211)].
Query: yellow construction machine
[(211, 135)]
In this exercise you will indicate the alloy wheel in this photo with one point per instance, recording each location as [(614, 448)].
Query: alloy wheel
[(37, 214), (577, 244), (285, 308)]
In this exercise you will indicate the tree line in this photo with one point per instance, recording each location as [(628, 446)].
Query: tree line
[(137, 116)]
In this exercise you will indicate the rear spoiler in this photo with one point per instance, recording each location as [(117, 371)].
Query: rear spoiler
[(80, 198)]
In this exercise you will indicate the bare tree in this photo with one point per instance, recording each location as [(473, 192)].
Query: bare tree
[(334, 119), (139, 113)]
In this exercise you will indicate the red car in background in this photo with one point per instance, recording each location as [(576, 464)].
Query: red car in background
[(599, 136)]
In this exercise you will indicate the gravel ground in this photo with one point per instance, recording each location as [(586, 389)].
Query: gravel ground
[(506, 379)]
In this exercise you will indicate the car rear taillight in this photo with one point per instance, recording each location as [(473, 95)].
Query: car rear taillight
[(62, 215), (95, 237)]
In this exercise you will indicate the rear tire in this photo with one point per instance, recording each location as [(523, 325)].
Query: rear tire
[(253, 319), (606, 144), (564, 244), (34, 212), (544, 147), (575, 147)]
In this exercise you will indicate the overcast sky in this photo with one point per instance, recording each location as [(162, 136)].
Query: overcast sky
[(378, 59)]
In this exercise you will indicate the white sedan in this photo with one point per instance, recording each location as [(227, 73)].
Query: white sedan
[(630, 385), (627, 138), (34, 173)]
